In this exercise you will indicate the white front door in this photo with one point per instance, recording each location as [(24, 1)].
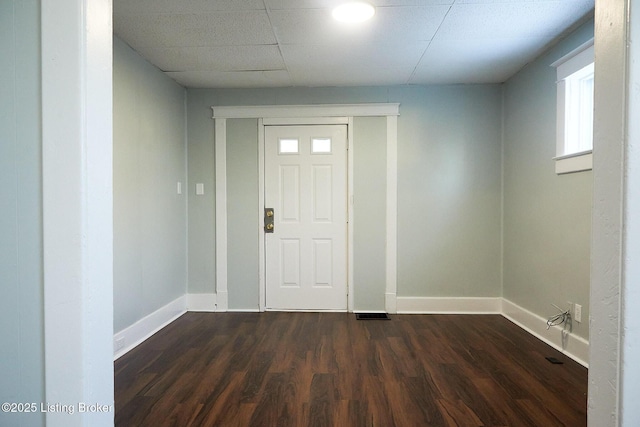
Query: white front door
[(306, 186)]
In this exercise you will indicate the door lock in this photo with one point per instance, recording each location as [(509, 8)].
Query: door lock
[(268, 220)]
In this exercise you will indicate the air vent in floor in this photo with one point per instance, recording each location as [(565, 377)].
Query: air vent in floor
[(372, 316)]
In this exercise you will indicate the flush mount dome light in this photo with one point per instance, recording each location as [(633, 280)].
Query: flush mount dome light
[(356, 11)]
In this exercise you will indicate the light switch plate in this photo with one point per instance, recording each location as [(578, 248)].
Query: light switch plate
[(199, 189)]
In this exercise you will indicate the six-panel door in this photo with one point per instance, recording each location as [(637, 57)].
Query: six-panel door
[(306, 185)]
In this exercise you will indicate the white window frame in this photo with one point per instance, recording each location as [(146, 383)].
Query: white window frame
[(571, 63)]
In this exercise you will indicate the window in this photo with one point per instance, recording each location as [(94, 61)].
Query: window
[(287, 146), (321, 145), (574, 143)]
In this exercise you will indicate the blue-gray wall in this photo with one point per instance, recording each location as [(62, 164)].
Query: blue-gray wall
[(21, 280), (547, 217), (449, 178), (242, 203), (149, 159), (369, 215), (449, 190)]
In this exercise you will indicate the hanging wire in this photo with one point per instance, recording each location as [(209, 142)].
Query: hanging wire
[(559, 318)]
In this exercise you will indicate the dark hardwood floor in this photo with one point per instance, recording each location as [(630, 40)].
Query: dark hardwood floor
[(329, 369)]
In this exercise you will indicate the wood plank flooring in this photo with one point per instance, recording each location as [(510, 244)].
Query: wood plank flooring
[(329, 369)]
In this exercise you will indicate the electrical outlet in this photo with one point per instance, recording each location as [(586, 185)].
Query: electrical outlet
[(577, 313)]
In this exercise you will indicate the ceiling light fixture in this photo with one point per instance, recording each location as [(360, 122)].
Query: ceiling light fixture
[(356, 11)]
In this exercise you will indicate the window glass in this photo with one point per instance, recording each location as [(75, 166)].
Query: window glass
[(579, 111), (287, 146), (321, 145), (574, 137)]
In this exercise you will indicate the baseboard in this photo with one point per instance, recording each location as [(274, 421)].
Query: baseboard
[(202, 302), (391, 303), (575, 347), (368, 311), (428, 305), (132, 336)]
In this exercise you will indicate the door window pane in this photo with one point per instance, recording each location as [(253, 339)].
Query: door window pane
[(288, 146), (321, 145)]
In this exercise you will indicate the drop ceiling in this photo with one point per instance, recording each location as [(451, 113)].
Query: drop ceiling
[(283, 43)]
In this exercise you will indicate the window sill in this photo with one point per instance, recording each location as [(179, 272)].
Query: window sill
[(576, 162)]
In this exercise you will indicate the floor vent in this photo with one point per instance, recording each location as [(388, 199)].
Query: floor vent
[(372, 316)]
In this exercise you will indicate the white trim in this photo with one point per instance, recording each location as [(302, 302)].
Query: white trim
[(202, 302), (144, 328), (350, 217), (576, 162), (445, 305), (567, 65), (568, 156), (286, 121), (390, 303), (221, 211), (305, 114), (222, 301), (392, 215), (77, 201), (244, 310), (577, 348), (369, 311), (305, 111), (291, 310), (262, 268)]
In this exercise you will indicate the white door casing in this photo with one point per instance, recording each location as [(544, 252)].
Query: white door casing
[(303, 114), (306, 186)]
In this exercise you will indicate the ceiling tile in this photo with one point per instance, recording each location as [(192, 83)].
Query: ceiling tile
[(330, 4), (232, 79), (219, 58), (348, 77), (355, 56), (316, 26), (274, 43), (475, 61), (209, 29), (512, 19), (128, 7), (352, 63)]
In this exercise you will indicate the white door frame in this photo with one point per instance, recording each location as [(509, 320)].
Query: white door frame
[(305, 115)]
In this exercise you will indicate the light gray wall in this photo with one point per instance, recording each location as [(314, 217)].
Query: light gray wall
[(448, 195), (150, 218), (242, 208), (21, 283), (547, 217), (201, 233), (449, 143), (369, 215)]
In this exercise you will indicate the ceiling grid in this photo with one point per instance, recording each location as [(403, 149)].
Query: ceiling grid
[(282, 43)]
